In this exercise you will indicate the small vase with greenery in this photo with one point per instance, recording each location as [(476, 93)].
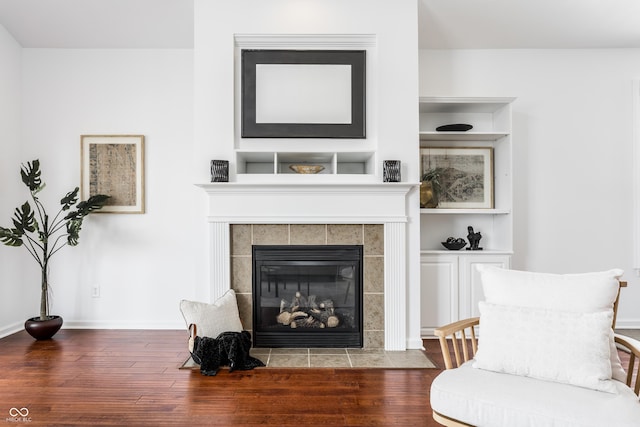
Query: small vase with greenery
[(430, 188), (43, 236)]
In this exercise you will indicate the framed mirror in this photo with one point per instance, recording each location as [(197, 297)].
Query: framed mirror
[(303, 93)]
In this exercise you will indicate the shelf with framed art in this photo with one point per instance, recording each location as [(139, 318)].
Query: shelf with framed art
[(474, 173)]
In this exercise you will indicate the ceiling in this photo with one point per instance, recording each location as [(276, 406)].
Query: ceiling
[(443, 24), (95, 24)]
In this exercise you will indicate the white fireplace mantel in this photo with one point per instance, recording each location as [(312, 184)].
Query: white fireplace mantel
[(316, 203), (306, 203)]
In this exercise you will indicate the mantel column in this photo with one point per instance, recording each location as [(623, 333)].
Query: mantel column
[(219, 259), (395, 286)]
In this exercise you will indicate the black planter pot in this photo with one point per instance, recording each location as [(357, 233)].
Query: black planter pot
[(43, 329)]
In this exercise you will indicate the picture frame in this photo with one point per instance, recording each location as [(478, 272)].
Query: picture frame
[(113, 165), (303, 93), (465, 175)]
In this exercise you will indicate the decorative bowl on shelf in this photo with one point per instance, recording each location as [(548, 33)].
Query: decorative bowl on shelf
[(456, 127), (307, 169), (454, 244)]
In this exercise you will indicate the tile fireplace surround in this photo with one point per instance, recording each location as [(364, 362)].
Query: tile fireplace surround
[(243, 236), (372, 214)]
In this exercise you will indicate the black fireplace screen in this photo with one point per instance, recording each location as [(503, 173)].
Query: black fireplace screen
[(307, 296)]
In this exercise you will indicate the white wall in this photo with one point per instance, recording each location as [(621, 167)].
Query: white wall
[(572, 151), (14, 308), (142, 263), (392, 87)]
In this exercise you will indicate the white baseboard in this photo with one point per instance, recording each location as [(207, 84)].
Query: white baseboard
[(83, 324), (427, 333), (415, 344), (79, 324), (11, 329)]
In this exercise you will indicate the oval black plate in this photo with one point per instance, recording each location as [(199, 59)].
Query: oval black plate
[(457, 127)]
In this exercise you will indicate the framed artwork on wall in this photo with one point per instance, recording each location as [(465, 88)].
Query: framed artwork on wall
[(303, 93), (114, 165), (465, 175)]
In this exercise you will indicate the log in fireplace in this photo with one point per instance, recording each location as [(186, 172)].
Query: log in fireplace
[(307, 296)]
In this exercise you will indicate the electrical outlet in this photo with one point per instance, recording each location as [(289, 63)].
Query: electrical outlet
[(95, 291)]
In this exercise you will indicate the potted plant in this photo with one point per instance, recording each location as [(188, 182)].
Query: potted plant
[(430, 188), (43, 236)]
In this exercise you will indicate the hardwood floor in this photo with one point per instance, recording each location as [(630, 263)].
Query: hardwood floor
[(131, 378)]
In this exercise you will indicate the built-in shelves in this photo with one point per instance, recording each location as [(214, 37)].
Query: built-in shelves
[(460, 136), (280, 162), (437, 211), (463, 252), (450, 284), (491, 121)]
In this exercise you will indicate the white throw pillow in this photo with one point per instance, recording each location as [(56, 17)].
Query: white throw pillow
[(568, 292), (586, 292), (213, 319), (560, 346)]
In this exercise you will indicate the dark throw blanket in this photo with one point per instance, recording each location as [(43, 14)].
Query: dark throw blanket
[(228, 349)]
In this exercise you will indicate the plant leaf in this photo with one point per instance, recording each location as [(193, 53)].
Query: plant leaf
[(84, 208), (73, 231), (31, 176), (24, 219), (11, 236), (70, 199)]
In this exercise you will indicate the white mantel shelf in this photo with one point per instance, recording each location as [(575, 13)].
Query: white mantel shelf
[(317, 203), (304, 202), (391, 187)]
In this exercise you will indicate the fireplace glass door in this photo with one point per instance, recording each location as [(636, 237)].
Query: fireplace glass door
[(307, 296)]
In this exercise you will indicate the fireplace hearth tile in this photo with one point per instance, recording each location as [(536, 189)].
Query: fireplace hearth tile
[(324, 351), (341, 358), (361, 351), (288, 361), (329, 361), (372, 360), (260, 351), (289, 351), (262, 357)]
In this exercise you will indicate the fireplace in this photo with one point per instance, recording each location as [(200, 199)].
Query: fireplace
[(307, 295), (391, 313)]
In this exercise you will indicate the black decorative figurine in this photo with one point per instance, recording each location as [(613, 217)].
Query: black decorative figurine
[(474, 239)]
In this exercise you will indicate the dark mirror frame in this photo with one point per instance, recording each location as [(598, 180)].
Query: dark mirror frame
[(355, 58)]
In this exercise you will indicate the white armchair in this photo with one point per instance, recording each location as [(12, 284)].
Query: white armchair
[(519, 372)]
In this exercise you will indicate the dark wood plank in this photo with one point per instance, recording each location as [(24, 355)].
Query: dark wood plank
[(121, 377)]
